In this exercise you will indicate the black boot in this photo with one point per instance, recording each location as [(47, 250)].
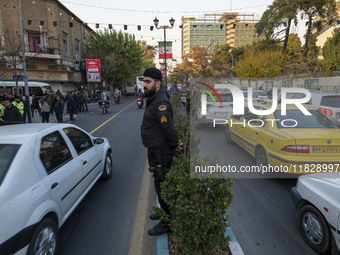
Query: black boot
[(154, 216), (159, 229)]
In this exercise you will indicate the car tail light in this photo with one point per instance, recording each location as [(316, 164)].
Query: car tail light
[(258, 100), (296, 148), (325, 111)]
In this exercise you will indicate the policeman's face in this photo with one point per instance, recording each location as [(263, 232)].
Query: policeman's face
[(150, 86)]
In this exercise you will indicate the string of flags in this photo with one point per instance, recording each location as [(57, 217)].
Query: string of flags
[(139, 27)]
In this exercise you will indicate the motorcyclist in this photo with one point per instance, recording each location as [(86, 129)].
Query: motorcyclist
[(140, 95), (117, 95)]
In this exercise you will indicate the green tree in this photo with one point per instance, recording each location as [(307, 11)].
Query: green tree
[(322, 10), (281, 12), (120, 55), (331, 52), (294, 63)]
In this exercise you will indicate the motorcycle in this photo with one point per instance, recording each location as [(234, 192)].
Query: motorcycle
[(104, 105), (139, 102), (116, 98)]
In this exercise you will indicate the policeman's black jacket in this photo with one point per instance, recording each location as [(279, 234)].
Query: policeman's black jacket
[(157, 127)]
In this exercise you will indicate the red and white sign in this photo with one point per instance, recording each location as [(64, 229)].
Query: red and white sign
[(93, 70), (168, 50)]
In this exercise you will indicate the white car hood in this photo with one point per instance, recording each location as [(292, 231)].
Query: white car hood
[(327, 177)]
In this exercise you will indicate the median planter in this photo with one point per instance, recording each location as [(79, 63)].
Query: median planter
[(198, 205)]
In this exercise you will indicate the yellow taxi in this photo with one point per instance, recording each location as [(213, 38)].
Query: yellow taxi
[(294, 143)]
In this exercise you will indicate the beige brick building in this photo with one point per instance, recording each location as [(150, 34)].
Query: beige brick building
[(54, 42), (233, 28)]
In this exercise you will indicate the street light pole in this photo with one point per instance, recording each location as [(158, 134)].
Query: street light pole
[(28, 111), (172, 22)]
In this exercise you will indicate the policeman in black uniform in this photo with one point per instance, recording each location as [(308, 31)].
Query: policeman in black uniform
[(159, 136)]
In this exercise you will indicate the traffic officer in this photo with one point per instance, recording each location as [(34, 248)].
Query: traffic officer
[(19, 104), (159, 136)]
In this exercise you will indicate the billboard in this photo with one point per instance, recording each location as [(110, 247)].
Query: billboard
[(93, 70)]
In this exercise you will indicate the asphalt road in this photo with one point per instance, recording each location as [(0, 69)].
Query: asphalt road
[(262, 215), (112, 219)]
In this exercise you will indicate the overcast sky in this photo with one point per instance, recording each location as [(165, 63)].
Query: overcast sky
[(137, 12)]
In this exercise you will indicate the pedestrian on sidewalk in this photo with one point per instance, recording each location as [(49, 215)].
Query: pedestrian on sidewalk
[(160, 137), (35, 105), (45, 108), (86, 99), (59, 108), (71, 105), (11, 113)]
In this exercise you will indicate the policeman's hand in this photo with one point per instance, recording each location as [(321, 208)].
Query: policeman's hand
[(180, 144)]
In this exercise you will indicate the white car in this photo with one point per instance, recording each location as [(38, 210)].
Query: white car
[(45, 172), (262, 96), (316, 197), (326, 103)]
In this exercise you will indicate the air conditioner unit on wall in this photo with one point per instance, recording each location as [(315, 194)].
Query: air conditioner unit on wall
[(77, 67)]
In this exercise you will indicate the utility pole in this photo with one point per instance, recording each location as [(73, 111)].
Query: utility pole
[(28, 112)]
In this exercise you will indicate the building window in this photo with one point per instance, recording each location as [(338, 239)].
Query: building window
[(65, 44), (34, 42), (77, 49)]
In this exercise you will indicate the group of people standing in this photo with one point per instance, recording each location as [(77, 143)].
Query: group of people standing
[(13, 110)]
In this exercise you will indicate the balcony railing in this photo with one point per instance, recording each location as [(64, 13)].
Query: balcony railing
[(49, 53)]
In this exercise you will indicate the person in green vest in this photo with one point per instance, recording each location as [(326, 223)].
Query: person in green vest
[(2, 109), (19, 104)]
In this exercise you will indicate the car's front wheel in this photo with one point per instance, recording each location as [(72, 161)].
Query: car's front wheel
[(107, 171), (315, 229), (261, 157), (45, 238), (228, 136)]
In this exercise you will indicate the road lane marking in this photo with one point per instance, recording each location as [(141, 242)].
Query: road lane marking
[(94, 130), (137, 240)]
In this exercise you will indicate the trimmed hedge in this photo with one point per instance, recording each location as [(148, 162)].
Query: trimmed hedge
[(198, 206)]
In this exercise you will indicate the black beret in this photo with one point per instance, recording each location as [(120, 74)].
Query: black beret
[(17, 97), (153, 73)]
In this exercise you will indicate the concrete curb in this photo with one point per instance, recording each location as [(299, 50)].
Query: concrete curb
[(234, 246), (162, 245), (163, 249)]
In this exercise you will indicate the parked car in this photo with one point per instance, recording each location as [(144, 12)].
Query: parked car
[(45, 172), (327, 103), (256, 98), (316, 198), (296, 141), (262, 95)]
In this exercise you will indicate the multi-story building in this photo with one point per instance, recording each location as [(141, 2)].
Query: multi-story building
[(232, 28), (203, 34), (54, 42)]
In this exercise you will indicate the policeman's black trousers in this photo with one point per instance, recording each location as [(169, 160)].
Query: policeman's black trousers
[(163, 156)]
